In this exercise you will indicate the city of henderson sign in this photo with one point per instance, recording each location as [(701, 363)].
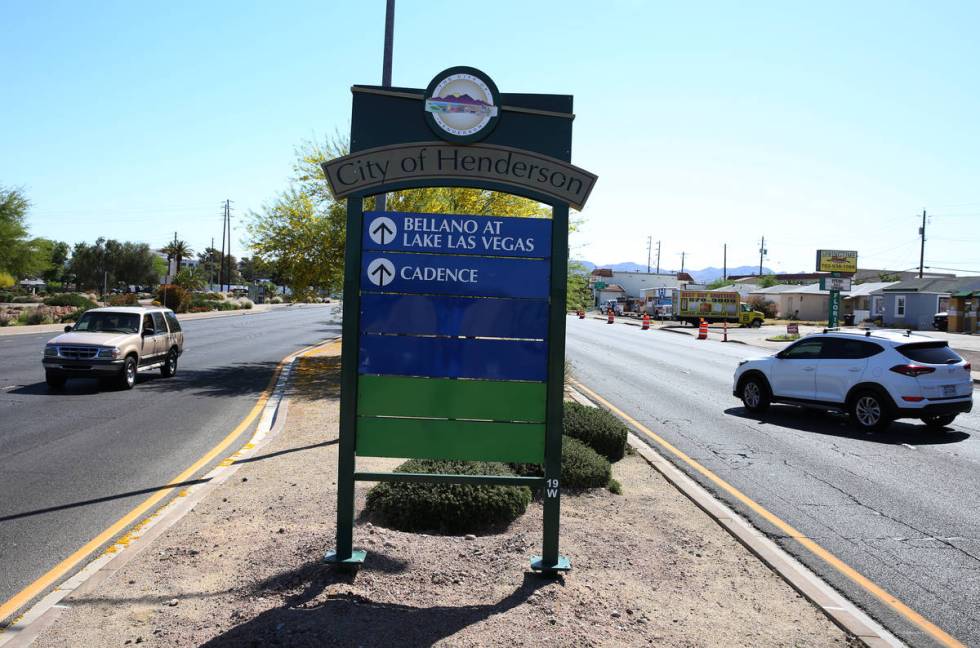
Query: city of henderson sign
[(361, 171)]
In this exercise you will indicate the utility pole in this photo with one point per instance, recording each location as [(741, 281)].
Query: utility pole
[(382, 199), (221, 259), (762, 253), (724, 262), (211, 264), (649, 245), (682, 261), (658, 257), (922, 245), (228, 273)]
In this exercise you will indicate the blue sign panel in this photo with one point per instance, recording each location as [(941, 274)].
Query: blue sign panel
[(456, 316), (436, 357), (504, 236), (439, 274)]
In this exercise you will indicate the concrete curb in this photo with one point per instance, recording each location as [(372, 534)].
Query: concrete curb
[(46, 611), (839, 609)]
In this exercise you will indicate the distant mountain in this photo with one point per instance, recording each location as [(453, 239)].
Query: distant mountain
[(705, 275)]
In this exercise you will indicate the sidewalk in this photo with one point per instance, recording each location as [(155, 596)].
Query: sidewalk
[(244, 567), (183, 317)]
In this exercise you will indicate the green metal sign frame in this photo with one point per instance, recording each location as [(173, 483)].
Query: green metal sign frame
[(388, 123)]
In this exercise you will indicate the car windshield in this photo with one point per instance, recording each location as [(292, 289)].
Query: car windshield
[(930, 353), (108, 323)]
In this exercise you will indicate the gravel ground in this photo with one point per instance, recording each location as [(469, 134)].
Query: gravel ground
[(243, 568)]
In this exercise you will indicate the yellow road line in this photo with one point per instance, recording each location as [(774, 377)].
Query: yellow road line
[(57, 572), (862, 581)]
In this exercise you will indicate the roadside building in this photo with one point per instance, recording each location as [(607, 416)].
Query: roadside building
[(772, 294), (865, 301), (743, 289), (630, 287), (611, 292), (914, 303)]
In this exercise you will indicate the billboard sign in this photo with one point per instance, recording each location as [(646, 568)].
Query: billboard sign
[(845, 261)]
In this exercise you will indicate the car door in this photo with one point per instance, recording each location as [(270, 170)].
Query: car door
[(794, 371), (162, 338), (147, 340), (842, 365)]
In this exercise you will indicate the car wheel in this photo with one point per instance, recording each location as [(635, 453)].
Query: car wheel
[(54, 381), (169, 367), (127, 378), (755, 394), (937, 423), (756, 323), (870, 412)]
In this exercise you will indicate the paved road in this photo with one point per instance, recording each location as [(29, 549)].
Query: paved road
[(902, 507), (73, 463)]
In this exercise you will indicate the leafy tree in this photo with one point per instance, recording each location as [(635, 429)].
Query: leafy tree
[(579, 295), (717, 283), (178, 250), (210, 261), (112, 262), (56, 253), (253, 268), (18, 254), (191, 278), (767, 281)]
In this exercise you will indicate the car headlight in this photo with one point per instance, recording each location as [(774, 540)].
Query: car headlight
[(109, 353), (50, 351)]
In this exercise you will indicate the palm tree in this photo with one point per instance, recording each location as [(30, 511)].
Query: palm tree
[(178, 250)]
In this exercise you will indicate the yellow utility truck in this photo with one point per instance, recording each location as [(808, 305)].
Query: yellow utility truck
[(694, 305)]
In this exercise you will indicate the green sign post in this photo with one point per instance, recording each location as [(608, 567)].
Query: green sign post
[(841, 264), (454, 325)]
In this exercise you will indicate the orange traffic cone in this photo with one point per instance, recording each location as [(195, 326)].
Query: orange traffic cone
[(703, 330), (646, 322), (611, 317)]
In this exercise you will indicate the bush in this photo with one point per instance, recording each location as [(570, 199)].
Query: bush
[(763, 305), (581, 466), (7, 280), (276, 300), (126, 299), (448, 508), (245, 304), (174, 297), (26, 299), (596, 427), (6, 297), (34, 316), (70, 299)]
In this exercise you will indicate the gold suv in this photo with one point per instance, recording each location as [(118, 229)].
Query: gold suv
[(115, 343)]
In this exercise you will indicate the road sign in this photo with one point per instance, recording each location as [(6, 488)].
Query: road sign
[(600, 285), (499, 236), (793, 329), (454, 324), (842, 284), (443, 274)]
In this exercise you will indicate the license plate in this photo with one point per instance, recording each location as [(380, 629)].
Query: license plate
[(949, 390)]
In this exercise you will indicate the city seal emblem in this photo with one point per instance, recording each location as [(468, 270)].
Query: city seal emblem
[(462, 105)]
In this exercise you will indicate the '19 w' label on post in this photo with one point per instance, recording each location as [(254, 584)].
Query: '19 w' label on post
[(552, 490), (505, 236)]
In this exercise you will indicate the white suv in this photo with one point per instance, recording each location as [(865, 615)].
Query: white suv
[(876, 376)]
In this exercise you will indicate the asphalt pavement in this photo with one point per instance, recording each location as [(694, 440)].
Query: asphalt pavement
[(72, 463), (900, 506)]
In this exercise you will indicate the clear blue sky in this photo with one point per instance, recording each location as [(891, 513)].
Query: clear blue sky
[(830, 125)]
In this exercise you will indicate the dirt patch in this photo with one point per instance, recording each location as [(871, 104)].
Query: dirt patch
[(244, 568)]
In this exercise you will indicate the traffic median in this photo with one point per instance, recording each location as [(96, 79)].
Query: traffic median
[(246, 565)]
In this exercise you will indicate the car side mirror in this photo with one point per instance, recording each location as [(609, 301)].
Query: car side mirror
[(68, 328)]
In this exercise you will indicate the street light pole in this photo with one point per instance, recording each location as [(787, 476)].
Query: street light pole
[(381, 200)]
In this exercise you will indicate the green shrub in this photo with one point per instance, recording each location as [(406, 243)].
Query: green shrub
[(126, 299), (70, 299), (448, 508), (6, 297), (34, 316), (581, 466), (25, 299), (245, 304), (174, 297), (596, 427), (615, 487)]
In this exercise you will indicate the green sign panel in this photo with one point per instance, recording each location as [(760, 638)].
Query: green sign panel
[(454, 325), (600, 285)]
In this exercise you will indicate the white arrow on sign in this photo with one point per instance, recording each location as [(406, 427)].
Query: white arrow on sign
[(382, 230), (381, 272)]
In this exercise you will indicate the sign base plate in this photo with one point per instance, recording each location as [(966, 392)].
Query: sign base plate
[(563, 565), (356, 558)]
